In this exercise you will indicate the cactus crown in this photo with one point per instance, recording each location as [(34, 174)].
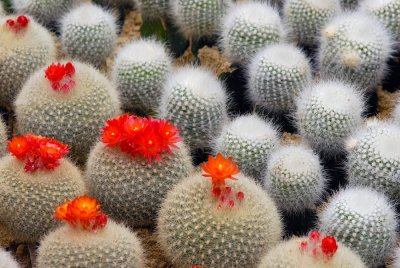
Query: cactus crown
[(18, 24), (61, 76), (37, 152), (146, 137), (83, 212), (318, 246)]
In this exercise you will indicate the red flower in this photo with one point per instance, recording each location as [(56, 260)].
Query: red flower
[(317, 246), (149, 143), (329, 245), (60, 76), (18, 147), (220, 169), (169, 134), (19, 24), (112, 132)]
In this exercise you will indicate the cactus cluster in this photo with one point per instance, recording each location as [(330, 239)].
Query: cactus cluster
[(7, 260)]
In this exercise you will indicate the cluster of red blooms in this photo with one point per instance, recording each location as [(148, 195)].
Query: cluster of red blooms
[(60, 76), (318, 246), (82, 212), (219, 169), (38, 152), (139, 136), (18, 24)]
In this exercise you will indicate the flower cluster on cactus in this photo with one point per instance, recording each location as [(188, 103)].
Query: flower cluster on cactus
[(18, 24), (61, 76), (6, 259)]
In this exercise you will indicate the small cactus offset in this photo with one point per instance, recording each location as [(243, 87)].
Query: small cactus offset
[(325, 124), (195, 101), (139, 72), (355, 47), (153, 9), (304, 19), (374, 158), (196, 18), (216, 223), (249, 140), (295, 178), (45, 11), (26, 46), (69, 102), (32, 181), (89, 38), (363, 220), (315, 251), (247, 28), (134, 166), (6, 259), (387, 12), (276, 76), (89, 239)]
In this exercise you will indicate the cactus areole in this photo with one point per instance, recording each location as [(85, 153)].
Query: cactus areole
[(19, 24)]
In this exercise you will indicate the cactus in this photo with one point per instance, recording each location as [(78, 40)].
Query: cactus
[(396, 114), (83, 243), (355, 47), (276, 76), (3, 138), (6, 259), (154, 9), (89, 38), (26, 46), (139, 72), (298, 252), (196, 18), (324, 123), (349, 4), (195, 101), (396, 262), (45, 11), (373, 158), (363, 220), (250, 141), (387, 12), (247, 28), (295, 178), (216, 224), (305, 18), (32, 181), (131, 187), (69, 102)]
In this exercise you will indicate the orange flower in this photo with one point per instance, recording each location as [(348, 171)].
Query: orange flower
[(18, 147), (220, 169)]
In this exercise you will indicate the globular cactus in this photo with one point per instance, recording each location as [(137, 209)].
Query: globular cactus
[(324, 123), (120, 175), (295, 178), (25, 46), (153, 9), (88, 38), (276, 76), (3, 138), (7, 260), (304, 19), (387, 12), (249, 140), (139, 72), (196, 18), (45, 11), (313, 251), (374, 158), (32, 182), (69, 102), (355, 47), (195, 101), (349, 4), (218, 224), (89, 240), (363, 220), (247, 28)]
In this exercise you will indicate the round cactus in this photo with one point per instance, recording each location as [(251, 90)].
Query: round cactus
[(196, 18), (45, 11), (312, 251), (90, 239), (355, 47), (32, 182), (247, 28), (373, 158), (140, 71), (228, 226), (89, 38), (3, 138), (295, 178), (305, 18), (129, 185), (154, 9), (26, 46), (195, 101), (363, 220), (349, 4), (324, 123), (7, 260), (69, 102), (250, 141), (387, 12), (276, 75)]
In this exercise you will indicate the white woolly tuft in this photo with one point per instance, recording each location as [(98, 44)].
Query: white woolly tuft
[(88, 14), (375, 4), (7, 261), (142, 51)]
